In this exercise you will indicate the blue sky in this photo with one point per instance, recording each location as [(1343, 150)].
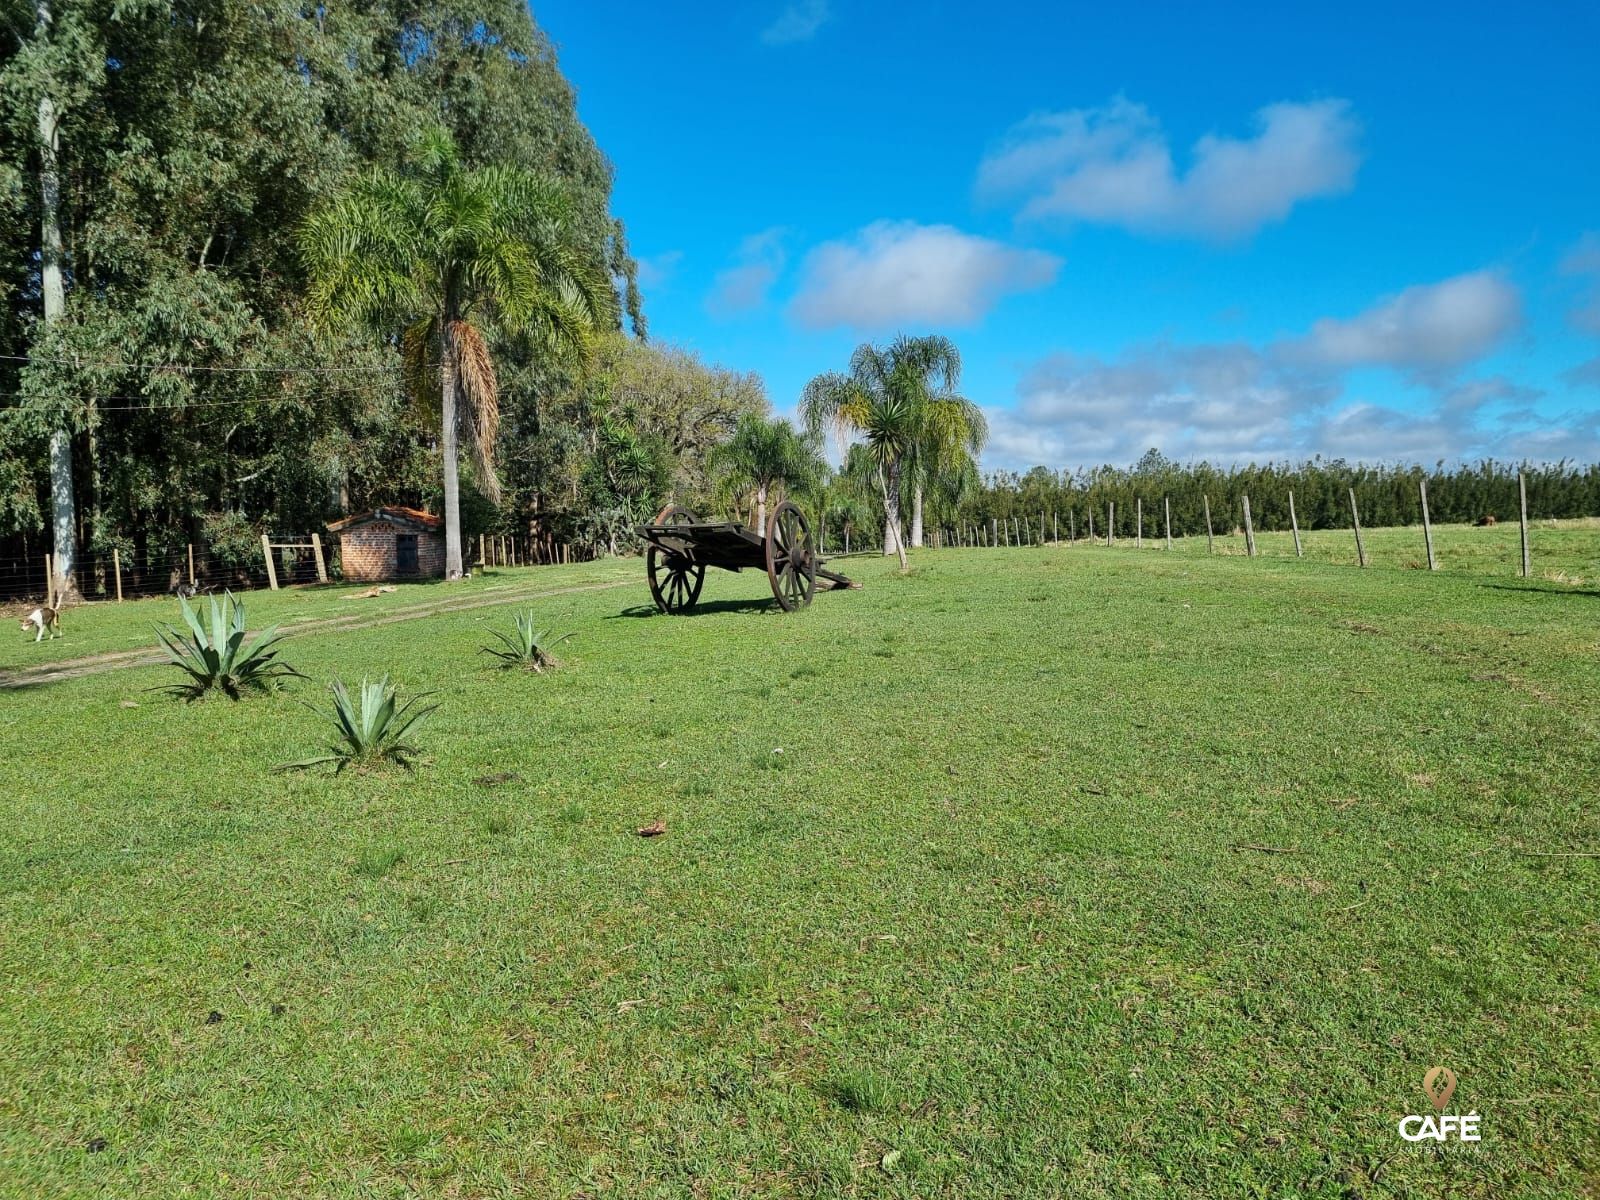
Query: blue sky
[(1244, 232)]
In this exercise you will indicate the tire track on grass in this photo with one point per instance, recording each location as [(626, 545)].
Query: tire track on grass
[(99, 664)]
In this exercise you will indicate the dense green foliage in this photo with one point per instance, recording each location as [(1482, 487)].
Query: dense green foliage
[(195, 141), (988, 926), (436, 259), (1386, 495)]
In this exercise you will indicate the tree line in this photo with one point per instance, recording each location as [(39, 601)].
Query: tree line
[(190, 351), (1386, 495)]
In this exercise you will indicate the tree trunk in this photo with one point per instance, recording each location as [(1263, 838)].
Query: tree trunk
[(63, 509), (449, 449), (761, 509), (892, 543), (916, 516)]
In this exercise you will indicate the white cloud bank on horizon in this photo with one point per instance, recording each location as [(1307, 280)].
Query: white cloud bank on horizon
[(1234, 402), (900, 272), (798, 22), (1113, 165)]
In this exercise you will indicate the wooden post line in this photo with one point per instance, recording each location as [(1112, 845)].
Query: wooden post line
[(1167, 502), (1206, 500), (1294, 524), (1522, 500), (1355, 518), (1427, 525), (1138, 522), (1249, 530), (1111, 522)]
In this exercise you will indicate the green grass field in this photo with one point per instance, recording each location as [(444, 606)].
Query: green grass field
[(1033, 873)]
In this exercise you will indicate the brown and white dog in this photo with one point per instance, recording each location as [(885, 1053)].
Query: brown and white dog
[(43, 618)]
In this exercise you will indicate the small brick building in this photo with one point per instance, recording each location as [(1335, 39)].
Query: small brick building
[(390, 543)]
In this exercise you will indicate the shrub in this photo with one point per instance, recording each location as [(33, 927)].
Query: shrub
[(231, 541), (217, 660), (371, 730), (526, 646)]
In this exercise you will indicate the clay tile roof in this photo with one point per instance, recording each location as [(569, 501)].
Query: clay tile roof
[(390, 512)]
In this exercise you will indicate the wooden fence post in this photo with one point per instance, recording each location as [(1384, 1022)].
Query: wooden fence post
[(1355, 518), (1111, 522), (1072, 525), (994, 535), (116, 567), (1294, 523), (1427, 525), (1522, 499), (1249, 530), (1138, 521), (1089, 512), (1055, 527), (322, 563), (191, 564), (1206, 500), (49, 581), (266, 552), (1167, 501)]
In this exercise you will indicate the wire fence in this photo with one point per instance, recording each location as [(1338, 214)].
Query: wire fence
[(201, 569)]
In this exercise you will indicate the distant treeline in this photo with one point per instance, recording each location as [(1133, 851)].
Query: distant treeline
[(1387, 495)]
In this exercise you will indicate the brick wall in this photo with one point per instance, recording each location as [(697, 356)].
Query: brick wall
[(367, 553)]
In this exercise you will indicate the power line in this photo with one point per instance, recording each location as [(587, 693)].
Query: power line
[(127, 366)]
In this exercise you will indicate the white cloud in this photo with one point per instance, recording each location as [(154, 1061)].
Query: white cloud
[(657, 269), (1424, 328), (1585, 374), (1232, 403), (798, 22), (897, 272), (1292, 399), (1113, 165), (743, 287), (1583, 260), (1220, 402)]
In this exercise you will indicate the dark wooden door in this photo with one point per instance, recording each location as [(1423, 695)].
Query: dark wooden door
[(405, 554)]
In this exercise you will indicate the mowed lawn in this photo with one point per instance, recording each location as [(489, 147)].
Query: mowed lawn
[(1033, 873)]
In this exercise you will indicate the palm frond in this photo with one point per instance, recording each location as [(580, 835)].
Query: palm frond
[(480, 416)]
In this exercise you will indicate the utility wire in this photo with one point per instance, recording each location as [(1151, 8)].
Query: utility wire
[(127, 366)]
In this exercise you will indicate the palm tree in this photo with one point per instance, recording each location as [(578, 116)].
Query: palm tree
[(765, 454), (430, 257), (951, 434), (884, 398)]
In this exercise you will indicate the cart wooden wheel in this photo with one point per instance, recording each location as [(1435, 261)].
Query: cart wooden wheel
[(791, 562), (675, 578)]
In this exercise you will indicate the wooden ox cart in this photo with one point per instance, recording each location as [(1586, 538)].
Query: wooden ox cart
[(680, 548)]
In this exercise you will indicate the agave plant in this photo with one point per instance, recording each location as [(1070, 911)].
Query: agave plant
[(217, 659), (526, 647), (371, 729)]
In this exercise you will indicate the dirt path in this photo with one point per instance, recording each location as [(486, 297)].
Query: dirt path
[(97, 664)]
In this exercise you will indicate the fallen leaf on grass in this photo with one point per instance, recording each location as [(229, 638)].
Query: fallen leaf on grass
[(654, 829)]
